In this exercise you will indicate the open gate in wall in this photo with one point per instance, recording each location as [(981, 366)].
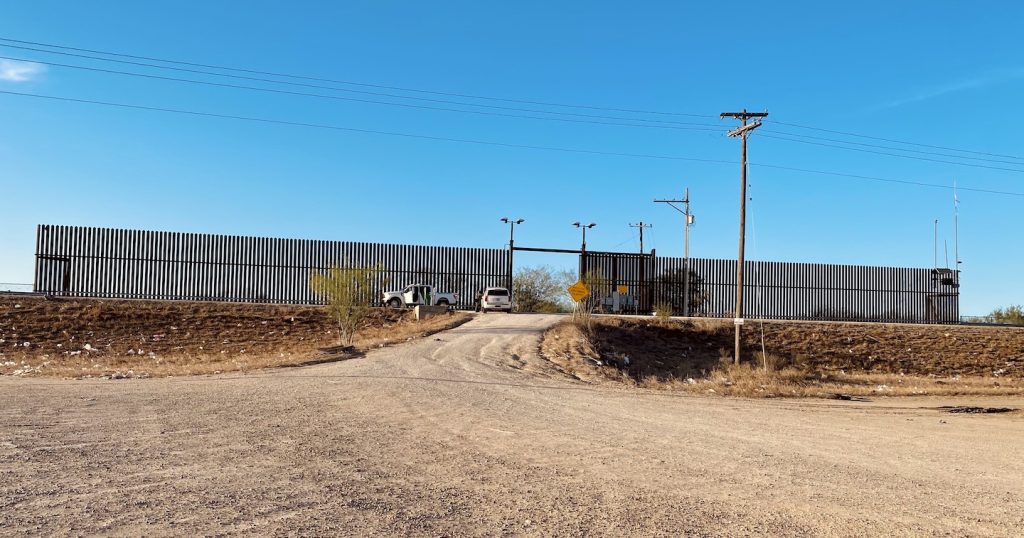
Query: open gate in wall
[(134, 264), (773, 290)]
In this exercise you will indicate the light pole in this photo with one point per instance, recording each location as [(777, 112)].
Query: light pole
[(583, 247), (511, 243)]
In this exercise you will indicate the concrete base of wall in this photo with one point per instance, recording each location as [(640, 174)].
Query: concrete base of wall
[(424, 312)]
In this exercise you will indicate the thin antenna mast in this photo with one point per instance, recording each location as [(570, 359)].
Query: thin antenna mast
[(956, 228)]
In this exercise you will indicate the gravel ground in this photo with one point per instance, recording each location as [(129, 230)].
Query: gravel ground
[(470, 433)]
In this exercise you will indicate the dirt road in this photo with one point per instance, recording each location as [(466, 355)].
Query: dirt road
[(470, 433)]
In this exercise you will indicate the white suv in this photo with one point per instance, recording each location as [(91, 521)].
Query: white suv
[(496, 299)]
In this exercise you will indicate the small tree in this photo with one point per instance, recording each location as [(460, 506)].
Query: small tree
[(541, 289), (1011, 315), (671, 288), (349, 292)]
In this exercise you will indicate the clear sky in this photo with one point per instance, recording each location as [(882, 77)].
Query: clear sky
[(941, 74)]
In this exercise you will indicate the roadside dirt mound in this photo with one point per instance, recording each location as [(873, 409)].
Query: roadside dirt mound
[(838, 355), (92, 337)]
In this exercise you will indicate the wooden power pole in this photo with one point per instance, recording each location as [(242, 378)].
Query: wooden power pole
[(641, 226), (743, 132)]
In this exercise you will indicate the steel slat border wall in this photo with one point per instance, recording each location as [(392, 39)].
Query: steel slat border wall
[(136, 264), (116, 263), (780, 290)]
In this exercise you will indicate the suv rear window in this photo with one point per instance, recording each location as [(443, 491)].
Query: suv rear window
[(498, 292)]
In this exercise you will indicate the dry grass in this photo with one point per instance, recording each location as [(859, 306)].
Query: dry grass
[(96, 338), (802, 359)]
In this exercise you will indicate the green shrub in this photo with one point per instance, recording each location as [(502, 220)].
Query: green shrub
[(1011, 315), (349, 292)]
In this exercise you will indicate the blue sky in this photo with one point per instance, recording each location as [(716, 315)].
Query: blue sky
[(946, 75)]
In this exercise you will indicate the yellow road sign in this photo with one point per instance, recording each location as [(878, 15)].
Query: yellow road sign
[(623, 289), (578, 291)]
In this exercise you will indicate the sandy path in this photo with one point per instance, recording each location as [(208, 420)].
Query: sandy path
[(469, 433)]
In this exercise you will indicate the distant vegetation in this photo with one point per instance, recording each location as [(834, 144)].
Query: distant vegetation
[(542, 289), (672, 289), (1011, 315)]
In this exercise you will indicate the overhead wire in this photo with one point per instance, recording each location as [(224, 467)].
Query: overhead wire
[(489, 142), (884, 180), (913, 157), (335, 88), (355, 99), (6, 41), (892, 140), (360, 130), (363, 84), (758, 274), (631, 238), (674, 126), (920, 152)]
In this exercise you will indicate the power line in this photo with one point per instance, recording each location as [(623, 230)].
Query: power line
[(886, 180), (455, 94), (847, 133), (972, 165), (444, 109), (920, 152), (492, 143), (367, 131), (363, 84), (334, 88), (354, 99)]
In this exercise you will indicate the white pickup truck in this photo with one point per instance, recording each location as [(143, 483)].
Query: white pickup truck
[(417, 294)]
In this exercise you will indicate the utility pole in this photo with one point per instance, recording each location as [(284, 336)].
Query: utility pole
[(643, 279), (686, 244), (641, 226), (743, 132)]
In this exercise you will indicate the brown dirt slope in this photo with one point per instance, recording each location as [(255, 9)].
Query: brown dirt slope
[(839, 355), (465, 435), (92, 338)]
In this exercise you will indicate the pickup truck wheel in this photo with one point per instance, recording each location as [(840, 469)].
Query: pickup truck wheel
[(394, 303), (442, 302)]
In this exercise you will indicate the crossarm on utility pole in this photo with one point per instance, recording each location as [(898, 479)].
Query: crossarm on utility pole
[(688, 219), (743, 132)]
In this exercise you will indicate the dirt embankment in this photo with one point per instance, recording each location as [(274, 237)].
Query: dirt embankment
[(94, 338), (793, 358)]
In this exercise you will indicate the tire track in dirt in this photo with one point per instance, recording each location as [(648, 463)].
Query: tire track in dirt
[(457, 436)]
